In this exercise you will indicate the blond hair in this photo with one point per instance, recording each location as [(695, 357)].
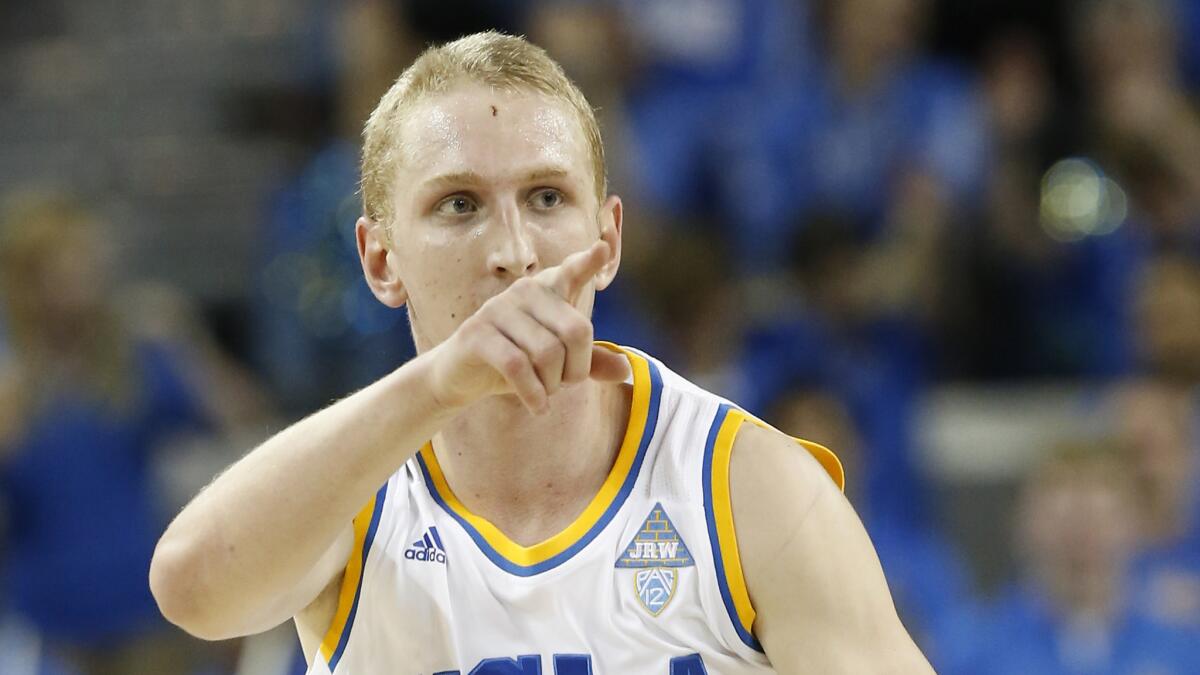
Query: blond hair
[(489, 58)]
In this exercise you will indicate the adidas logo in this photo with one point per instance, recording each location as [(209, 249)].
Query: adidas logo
[(428, 548)]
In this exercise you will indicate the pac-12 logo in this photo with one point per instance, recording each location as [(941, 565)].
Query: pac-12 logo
[(657, 553), (655, 588)]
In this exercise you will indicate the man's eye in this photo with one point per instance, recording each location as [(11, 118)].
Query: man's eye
[(547, 199), (456, 206)]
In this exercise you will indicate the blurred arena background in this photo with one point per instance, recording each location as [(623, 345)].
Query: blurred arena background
[(959, 242)]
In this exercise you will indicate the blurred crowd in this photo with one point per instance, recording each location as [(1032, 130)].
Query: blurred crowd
[(834, 209)]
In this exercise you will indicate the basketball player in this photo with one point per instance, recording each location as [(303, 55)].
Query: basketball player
[(536, 502)]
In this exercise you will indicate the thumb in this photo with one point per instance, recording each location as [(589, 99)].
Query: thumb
[(608, 366)]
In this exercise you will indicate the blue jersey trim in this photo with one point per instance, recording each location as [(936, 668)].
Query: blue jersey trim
[(710, 517), (380, 497), (626, 488)]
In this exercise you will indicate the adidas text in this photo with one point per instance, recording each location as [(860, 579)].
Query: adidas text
[(428, 554)]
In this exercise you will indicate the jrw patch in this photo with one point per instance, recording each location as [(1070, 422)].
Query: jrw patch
[(656, 552)]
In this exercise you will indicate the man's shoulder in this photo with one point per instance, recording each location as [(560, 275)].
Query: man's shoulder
[(765, 460), (775, 490)]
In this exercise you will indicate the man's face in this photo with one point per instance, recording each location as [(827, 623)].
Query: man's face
[(1155, 428), (1078, 525), (74, 278), (490, 186)]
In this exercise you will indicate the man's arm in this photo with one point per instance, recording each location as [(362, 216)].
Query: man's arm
[(822, 602), (259, 544)]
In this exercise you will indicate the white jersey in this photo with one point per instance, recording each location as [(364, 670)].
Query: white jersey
[(646, 581)]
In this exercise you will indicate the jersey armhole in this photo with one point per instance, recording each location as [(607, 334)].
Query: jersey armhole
[(366, 524), (718, 511)]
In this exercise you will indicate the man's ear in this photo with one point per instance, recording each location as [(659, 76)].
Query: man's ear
[(610, 231), (379, 263)]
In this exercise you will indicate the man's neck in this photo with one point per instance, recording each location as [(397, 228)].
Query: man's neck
[(531, 475)]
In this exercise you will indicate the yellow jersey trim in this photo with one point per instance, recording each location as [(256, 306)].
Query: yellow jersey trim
[(351, 579), (722, 507)]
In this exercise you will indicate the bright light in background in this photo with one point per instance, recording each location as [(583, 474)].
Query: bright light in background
[(1079, 201)]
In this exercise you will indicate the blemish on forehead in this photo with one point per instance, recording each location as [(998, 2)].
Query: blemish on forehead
[(493, 111)]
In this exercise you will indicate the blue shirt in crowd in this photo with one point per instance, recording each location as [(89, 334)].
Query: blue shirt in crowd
[(83, 515), (1020, 635)]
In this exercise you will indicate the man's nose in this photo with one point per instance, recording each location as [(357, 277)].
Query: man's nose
[(513, 254)]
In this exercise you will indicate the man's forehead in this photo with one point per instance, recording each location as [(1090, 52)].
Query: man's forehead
[(472, 122)]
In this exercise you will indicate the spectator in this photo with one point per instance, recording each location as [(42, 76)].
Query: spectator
[(86, 398), (1156, 425), (312, 310), (865, 163), (876, 131), (1070, 610), (1144, 125), (1038, 303), (694, 64)]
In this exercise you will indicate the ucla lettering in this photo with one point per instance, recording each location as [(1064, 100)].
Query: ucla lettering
[(688, 665), (568, 664), (572, 664), (522, 665)]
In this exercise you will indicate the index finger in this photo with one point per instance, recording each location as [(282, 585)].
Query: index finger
[(569, 278)]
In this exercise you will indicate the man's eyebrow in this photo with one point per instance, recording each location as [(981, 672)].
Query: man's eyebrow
[(460, 178), (454, 179), (546, 173)]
